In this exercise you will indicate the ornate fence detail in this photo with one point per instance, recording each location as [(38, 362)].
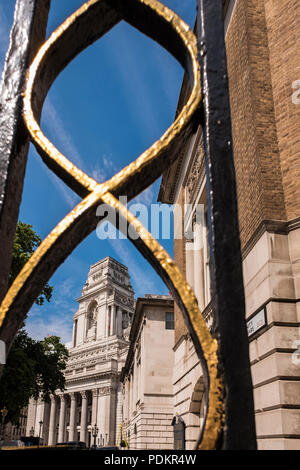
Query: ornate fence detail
[(82, 28)]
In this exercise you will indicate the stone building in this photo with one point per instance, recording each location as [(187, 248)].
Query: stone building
[(15, 431), (147, 375), (262, 40), (99, 348)]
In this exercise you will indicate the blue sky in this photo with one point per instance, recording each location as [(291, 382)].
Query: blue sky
[(110, 104)]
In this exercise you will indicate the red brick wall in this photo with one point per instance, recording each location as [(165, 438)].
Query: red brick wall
[(256, 151), (283, 26)]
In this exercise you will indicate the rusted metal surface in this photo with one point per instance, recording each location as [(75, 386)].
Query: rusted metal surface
[(225, 252)]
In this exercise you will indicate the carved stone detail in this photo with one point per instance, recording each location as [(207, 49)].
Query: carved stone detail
[(125, 300), (196, 172)]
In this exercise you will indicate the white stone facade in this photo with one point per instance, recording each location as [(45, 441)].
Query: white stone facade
[(147, 376), (99, 347)]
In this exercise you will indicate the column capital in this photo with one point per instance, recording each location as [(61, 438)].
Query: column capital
[(72, 395), (83, 394), (95, 392), (61, 396), (52, 397), (107, 390)]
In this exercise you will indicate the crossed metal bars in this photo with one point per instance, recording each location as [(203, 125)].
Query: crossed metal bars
[(226, 374)]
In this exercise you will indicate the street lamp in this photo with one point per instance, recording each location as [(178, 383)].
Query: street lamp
[(31, 434), (95, 431), (41, 424), (4, 412)]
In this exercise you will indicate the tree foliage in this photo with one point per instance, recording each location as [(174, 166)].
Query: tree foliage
[(25, 243), (33, 368)]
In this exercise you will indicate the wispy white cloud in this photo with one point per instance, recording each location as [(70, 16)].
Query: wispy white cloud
[(39, 328), (104, 170), (55, 318), (146, 197), (64, 294), (57, 129), (107, 169), (70, 198)]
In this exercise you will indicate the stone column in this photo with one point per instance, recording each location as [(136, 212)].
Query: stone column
[(206, 266), (198, 266), (84, 327), (119, 403), (62, 417), (112, 409), (72, 417), (51, 440), (119, 331), (131, 396), (83, 417), (74, 333), (126, 408), (113, 320), (94, 406), (190, 262), (108, 321)]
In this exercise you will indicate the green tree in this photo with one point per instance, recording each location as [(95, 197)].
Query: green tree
[(25, 243), (33, 368)]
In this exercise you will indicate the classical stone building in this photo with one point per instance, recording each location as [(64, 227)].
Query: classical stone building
[(147, 375), (99, 348), (262, 40), (15, 432)]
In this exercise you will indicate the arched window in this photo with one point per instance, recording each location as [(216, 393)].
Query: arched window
[(198, 410)]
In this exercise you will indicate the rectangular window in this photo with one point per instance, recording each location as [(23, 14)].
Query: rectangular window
[(169, 320)]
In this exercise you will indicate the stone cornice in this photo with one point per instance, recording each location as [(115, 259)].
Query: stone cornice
[(91, 378), (84, 351), (195, 172), (272, 226)]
